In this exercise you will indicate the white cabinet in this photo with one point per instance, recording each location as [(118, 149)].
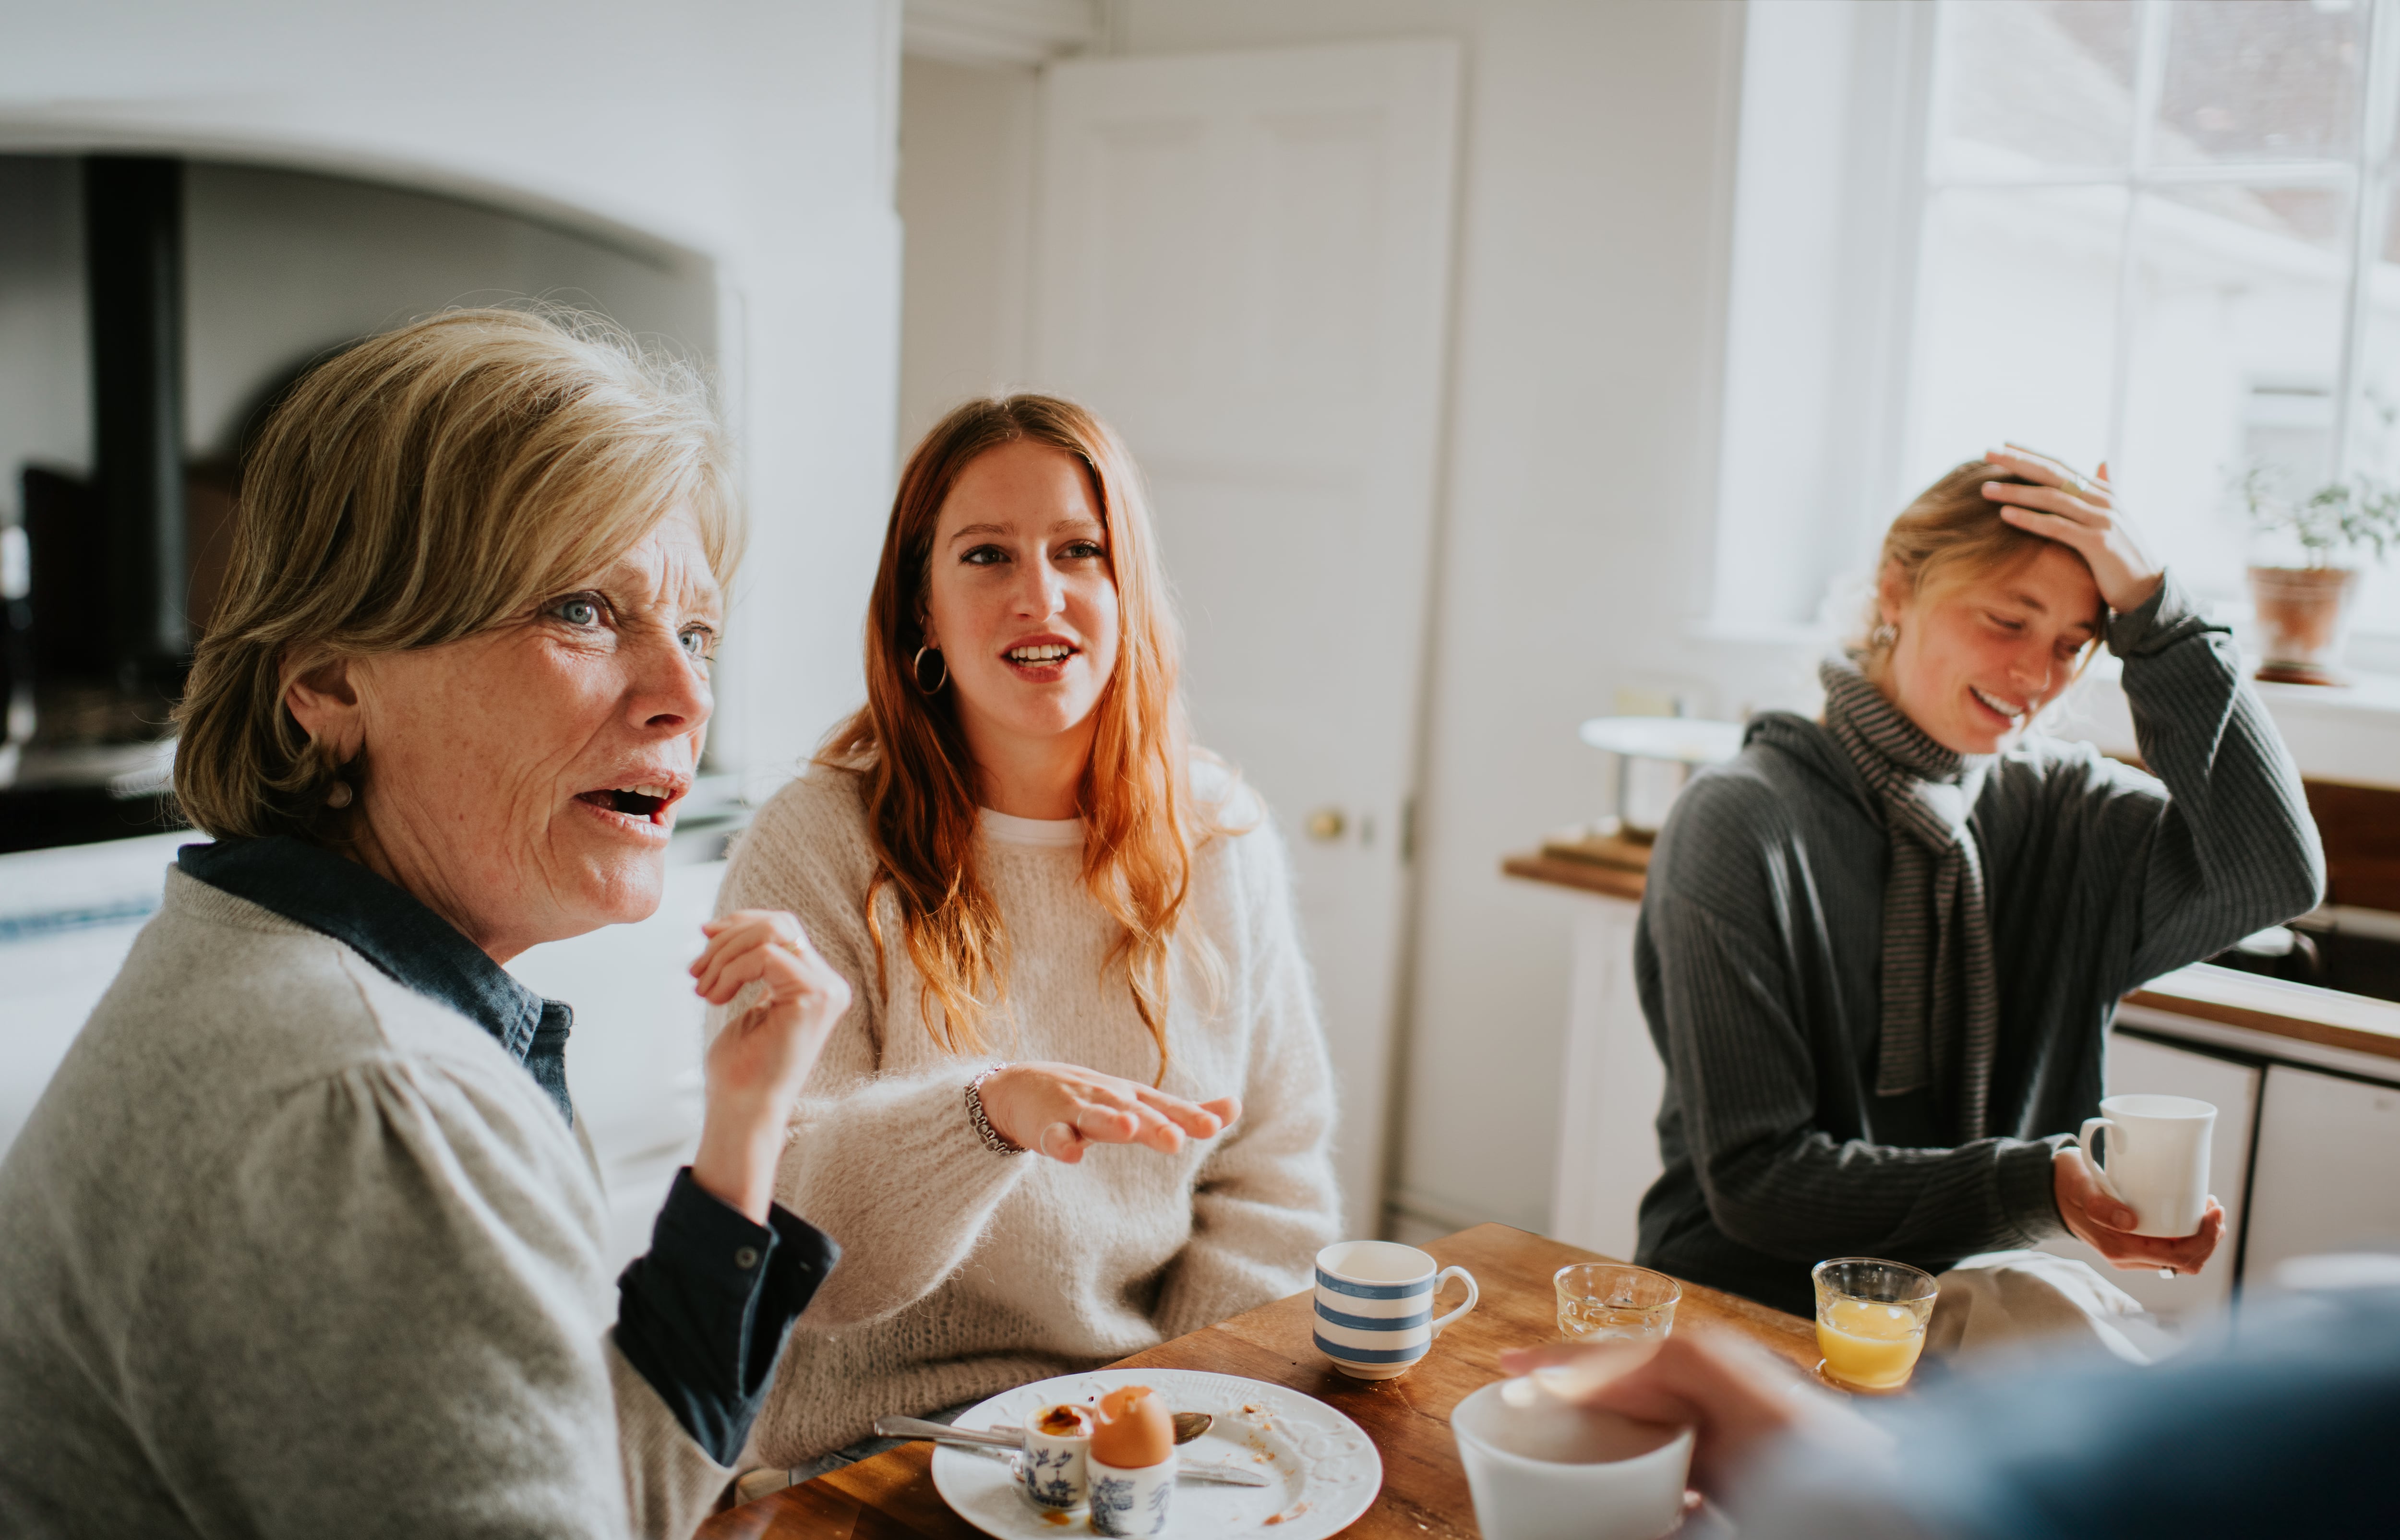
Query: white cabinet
[(2138, 1066), (2329, 1154), (1608, 1097)]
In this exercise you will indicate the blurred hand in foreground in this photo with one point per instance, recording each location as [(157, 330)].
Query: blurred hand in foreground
[(1736, 1399)]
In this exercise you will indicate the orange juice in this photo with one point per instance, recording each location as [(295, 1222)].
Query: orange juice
[(1869, 1343)]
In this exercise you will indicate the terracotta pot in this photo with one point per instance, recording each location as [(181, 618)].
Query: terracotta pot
[(2303, 620)]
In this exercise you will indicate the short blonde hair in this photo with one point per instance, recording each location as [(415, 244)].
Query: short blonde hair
[(1952, 531), (417, 488)]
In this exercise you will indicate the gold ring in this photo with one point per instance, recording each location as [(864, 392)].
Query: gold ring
[(2076, 484)]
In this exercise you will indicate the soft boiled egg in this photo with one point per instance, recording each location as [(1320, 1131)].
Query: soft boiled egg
[(1136, 1429)]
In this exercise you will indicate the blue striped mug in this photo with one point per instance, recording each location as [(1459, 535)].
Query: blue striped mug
[(1374, 1307)]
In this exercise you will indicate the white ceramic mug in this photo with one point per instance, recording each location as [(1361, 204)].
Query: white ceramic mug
[(1374, 1307), (1542, 1469), (1132, 1502), (1053, 1466), (2157, 1159)]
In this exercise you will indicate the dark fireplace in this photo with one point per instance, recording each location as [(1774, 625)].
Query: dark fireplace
[(100, 641)]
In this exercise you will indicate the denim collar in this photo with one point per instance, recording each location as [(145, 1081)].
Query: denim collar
[(383, 924)]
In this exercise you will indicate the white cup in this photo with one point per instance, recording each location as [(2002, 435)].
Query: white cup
[(1053, 1466), (2157, 1162), (1132, 1502), (1542, 1469), (1374, 1307)]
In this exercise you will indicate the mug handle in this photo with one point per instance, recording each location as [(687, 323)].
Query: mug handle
[(2083, 1139), (1473, 1294)]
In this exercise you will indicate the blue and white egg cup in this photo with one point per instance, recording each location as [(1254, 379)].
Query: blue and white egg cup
[(1133, 1503)]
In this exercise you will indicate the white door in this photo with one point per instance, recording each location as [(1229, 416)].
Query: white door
[(1242, 262), (2327, 1150)]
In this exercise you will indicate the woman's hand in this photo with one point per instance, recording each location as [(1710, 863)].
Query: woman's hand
[(1063, 1110), (2079, 515), (2103, 1222), (757, 1064), (1734, 1397)]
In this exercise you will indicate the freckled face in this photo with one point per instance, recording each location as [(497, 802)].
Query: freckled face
[(522, 781), (1979, 657), (1019, 596)]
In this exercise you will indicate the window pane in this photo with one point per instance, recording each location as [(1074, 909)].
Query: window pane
[(2251, 80), (2077, 57), (2238, 300), (2375, 445), (2016, 325)]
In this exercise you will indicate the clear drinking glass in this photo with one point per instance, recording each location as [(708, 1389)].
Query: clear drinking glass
[(1599, 1301), (1871, 1317)]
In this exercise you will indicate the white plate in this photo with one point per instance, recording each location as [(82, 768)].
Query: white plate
[(1329, 1466)]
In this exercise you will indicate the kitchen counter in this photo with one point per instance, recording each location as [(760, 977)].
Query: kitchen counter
[(2300, 1013)]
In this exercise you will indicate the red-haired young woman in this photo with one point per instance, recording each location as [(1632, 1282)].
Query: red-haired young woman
[(1082, 1103)]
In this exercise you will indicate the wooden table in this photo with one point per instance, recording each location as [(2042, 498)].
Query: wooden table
[(892, 1496)]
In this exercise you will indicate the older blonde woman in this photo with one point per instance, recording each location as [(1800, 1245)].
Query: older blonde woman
[(300, 1241), (1083, 1102)]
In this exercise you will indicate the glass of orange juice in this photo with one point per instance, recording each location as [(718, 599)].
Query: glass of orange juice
[(1871, 1318)]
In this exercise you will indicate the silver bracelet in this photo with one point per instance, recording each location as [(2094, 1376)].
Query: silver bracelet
[(993, 1139)]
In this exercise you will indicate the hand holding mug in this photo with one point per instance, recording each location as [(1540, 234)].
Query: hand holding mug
[(1062, 1110), (2098, 1217), (1736, 1399)]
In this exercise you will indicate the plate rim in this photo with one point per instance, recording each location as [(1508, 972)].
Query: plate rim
[(936, 1466)]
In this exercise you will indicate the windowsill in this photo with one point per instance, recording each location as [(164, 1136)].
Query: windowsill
[(2349, 734)]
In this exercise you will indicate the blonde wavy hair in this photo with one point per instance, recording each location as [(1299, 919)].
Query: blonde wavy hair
[(417, 488), (1143, 823), (1951, 531)]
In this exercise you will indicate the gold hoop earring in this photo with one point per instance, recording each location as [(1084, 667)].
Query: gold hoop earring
[(917, 670)]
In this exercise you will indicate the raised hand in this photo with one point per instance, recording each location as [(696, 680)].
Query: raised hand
[(1063, 1110), (757, 1066), (2103, 1222), (2080, 515)]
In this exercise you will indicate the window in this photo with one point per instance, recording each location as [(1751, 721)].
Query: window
[(2157, 233)]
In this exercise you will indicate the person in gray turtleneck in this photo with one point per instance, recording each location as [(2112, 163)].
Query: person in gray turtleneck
[(1879, 954)]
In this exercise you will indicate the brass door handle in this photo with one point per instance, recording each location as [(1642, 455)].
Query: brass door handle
[(1327, 824)]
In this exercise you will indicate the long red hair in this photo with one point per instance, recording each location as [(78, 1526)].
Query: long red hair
[(1143, 823)]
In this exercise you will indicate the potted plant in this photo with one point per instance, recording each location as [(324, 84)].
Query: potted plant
[(2304, 609)]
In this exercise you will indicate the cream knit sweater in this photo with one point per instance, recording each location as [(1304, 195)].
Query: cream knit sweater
[(964, 1273)]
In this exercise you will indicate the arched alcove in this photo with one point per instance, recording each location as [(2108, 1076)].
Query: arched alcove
[(273, 266)]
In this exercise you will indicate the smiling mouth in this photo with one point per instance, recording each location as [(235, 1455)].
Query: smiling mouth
[(1997, 706), (646, 802), (1040, 654)]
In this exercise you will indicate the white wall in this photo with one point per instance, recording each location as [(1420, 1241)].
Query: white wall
[(966, 203), (1576, 541), (754, 133)]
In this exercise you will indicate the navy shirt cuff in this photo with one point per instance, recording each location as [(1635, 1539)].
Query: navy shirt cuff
[(703, 1314)]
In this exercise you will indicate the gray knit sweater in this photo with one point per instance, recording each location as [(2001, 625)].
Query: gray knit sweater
[(287, 1248), (1759, 950)]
